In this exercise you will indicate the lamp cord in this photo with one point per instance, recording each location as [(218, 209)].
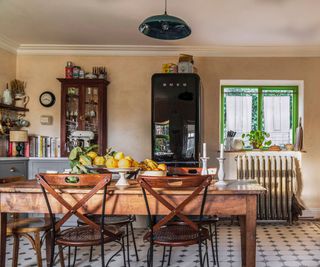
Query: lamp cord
[(165, 7)]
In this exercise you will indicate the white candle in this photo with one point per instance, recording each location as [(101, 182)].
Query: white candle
[(221, 150), (204, 150)]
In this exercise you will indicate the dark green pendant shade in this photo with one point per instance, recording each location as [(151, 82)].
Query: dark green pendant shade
[(165, 27)]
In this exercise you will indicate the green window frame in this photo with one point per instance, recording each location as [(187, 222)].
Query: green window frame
[(295, 106)]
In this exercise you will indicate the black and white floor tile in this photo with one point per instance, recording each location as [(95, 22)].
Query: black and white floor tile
[(278, 244)]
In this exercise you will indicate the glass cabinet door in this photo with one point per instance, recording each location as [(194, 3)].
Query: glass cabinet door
[(91, 111), (72, 112)]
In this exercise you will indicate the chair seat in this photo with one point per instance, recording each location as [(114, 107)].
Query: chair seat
[(28, 225), (177, 235), (118, 220), (208, 220), (86, 236)]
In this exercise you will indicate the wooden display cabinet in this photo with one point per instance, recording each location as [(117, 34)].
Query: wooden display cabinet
[(83, 107)]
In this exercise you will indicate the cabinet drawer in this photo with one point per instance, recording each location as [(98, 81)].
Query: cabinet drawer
[(12, 168), (44, 165)]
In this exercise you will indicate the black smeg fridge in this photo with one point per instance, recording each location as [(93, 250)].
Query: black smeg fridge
[(176, 119)]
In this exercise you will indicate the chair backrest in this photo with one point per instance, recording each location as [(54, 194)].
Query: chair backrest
[(54, 185), (195, 183)]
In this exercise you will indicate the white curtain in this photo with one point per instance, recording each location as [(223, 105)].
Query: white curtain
[(276, 111), (239, 114)]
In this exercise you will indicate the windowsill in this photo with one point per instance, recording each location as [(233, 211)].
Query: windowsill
[(264, 151)]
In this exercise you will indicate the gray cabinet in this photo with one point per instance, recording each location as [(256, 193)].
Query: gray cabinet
[(37, 165), (29, 167), (10, 167)]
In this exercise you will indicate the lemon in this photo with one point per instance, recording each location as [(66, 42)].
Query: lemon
[(92, 154), (111, 163), (135, 163), (99, 160), (119, 155), (124, 163), (129, 158)]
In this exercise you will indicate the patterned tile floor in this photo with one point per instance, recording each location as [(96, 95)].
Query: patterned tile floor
[(278, 244)]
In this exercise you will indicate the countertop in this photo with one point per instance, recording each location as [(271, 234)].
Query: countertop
[(31, 158)]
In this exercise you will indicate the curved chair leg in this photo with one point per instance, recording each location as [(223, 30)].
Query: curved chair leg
[(200, 252), (15, 253), (216, 243), (134, 241), (75, 256), (90, 254), (128, 244), (52, 253), (151, 253), (61, 257), (163, 255), (124, 252), (69, 256), (169, 258), (37, 247), (212, 245), (207, 255)]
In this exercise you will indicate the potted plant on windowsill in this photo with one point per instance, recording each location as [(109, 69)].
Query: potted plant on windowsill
[(257, 139)]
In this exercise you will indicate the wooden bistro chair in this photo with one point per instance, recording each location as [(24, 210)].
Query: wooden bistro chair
[(119, 221), (207, 220), (30, 228), (169, 232), (91, 234)]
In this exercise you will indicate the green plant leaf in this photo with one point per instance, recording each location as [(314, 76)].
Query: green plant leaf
[(85, 160), (75, 170), (83, 169), (268, 143), (73, 163), (74, 153), (90, 148)]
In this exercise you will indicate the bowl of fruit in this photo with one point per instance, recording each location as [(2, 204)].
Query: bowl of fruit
[(149, 167)]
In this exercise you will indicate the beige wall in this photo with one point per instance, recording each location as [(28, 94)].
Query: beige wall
[(129, 94), (7, 68)]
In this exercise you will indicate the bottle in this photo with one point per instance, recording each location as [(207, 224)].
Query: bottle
[(7, 97), (69, 70), (75, 72)]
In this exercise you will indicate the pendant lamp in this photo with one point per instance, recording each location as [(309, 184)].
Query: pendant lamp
[(165, 27)]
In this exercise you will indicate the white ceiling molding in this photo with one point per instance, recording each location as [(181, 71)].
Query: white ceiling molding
[(8, 44), (142, 50)]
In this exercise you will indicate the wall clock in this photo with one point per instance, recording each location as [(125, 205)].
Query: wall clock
[(47, 99)]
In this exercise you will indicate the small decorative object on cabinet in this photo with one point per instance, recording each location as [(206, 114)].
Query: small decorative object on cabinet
[(7, 96), (19, 138), (83, 108)]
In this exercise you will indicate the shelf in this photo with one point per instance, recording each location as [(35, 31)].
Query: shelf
[(13, 108), (88, 82)]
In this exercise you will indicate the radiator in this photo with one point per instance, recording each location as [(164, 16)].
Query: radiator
[(278, 175)]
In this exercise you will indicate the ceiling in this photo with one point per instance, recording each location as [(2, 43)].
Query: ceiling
[(115, 22)]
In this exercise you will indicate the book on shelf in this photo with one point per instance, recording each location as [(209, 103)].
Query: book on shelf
[(44, 146)]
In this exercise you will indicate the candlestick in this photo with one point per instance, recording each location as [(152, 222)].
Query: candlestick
[(221, 150), (221, 182), (204, 150), (204, 165)]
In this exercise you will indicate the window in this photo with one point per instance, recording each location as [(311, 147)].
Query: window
[(273, 109)]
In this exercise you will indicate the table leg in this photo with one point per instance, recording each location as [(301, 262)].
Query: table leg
[(3, 238), (48, 247), (248, 225)]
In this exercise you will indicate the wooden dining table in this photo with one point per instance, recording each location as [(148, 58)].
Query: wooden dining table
[(236, 198)]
